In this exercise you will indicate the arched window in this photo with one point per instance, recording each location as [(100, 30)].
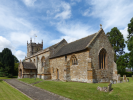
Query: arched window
[(43, 61), (74, 60), (102, 59)]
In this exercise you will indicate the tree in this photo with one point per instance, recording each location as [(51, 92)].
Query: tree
[(130, 48), (130, 29), (15, 59), (122, 63), (16, 69), (117, 41), (130, 41), (8, 61)]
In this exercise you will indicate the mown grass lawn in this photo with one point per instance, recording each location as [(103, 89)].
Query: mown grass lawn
[(86, 91), (9, 93)]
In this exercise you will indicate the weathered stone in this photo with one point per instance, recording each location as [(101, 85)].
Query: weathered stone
[(132, 76), (115, 81), (127, 79), (81, 65), (124, 78), (109, 87), (111, 81), (118, 78)]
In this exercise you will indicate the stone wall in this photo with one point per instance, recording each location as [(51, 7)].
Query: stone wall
[(41, 70), (101, 75), (67, 71)]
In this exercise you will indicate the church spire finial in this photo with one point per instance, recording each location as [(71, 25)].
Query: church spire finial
[(100, 26), (42, 41)]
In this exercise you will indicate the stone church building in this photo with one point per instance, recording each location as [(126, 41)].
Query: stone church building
[(89, 59)]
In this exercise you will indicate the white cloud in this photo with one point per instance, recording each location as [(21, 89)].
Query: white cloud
[(66, 13), (113, 13), (4, 43), (19, 39), (86, 12), (72, 31), (125, 33), (29, 2), (20, 55)]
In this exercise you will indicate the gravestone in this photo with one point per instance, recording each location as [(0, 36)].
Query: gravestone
[(127, 79), (118, 78), (124, 78), (132, 76), (115, 81), (109, 87), (111, 81)]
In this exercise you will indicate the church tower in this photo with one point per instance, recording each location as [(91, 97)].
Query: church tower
[(33, 48)]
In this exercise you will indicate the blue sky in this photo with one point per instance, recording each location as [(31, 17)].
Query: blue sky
[(53, 20)]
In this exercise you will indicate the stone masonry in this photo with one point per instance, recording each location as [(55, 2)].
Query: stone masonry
[(79, 61)]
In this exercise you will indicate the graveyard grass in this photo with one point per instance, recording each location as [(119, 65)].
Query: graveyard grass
[(9, 93), (85, 91)]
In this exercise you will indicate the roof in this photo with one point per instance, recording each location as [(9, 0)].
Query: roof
[(29, 65), (75, 46)]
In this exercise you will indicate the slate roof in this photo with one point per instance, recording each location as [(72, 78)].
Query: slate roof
[(29, 65), (75, 46)]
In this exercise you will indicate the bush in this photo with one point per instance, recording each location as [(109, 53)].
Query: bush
[(128, 74)]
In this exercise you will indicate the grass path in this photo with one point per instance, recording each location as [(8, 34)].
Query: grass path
[(86, 91), (9, 93)]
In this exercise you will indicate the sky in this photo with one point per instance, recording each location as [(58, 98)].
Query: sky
[(53, 20)]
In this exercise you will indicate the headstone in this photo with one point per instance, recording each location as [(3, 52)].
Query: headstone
[(124, 78), (115, 81), (121, 80), (127, 79), (111, 81), (132, 76), (109, 87), (118, 78)]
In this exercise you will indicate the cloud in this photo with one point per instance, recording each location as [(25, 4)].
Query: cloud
[(20, 55), (29, 2), (86, 12), (125, 33), (72, 31), (66, 13), (4, 43), (112, 13)]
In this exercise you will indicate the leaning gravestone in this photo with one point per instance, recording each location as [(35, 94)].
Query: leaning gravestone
[(124, 78), (118, 78)]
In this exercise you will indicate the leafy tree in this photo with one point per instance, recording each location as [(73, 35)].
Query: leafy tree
[(16, 59), (16, 68), (122, 63), (117, 41), (130, 41), (130, 29)]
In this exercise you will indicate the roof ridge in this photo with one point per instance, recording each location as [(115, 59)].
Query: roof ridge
[(81, 38)]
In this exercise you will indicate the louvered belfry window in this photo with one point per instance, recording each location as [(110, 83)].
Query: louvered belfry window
[(102, 59)]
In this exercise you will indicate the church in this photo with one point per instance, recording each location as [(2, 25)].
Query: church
[(89, 59)]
